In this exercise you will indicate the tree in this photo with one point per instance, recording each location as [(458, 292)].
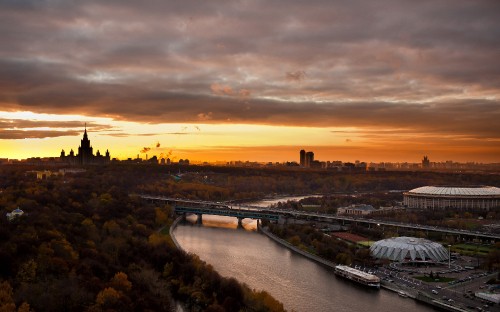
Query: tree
[(7, 303), (343, 258), (6, 300), (161, 217), (493, 259), (27, 271), (294, 240), (24, 307), (107, 297), (120, 282)]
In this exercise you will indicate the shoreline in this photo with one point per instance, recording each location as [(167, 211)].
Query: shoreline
[(286, 244), (413, 294), (171, 233)]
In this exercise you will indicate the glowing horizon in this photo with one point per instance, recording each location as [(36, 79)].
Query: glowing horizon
[(208, 142)]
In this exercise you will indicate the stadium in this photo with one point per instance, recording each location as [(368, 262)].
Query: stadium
[(463, 198), (409, 249)]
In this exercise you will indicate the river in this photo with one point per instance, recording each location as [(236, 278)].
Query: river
[(299, 283)]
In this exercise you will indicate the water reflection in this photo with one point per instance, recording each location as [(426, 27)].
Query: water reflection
[(272, 201), (224, 222)]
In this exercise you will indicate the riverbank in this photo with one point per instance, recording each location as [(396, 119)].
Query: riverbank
[(411, 293), (306, 254), (171, 232)]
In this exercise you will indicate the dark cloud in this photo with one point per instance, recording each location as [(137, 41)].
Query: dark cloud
[(21, 123), (17, 129), (296, 75), (34, 134), (410, 65)]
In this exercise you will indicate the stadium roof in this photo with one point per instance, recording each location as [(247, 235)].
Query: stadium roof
[(456, 191), (401, 248)]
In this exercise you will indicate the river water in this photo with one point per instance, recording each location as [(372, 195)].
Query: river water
[(299, 283)]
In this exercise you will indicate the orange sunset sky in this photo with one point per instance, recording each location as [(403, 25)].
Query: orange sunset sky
[(252, 80)]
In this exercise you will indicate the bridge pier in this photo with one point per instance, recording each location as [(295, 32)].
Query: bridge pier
[(199, 220), (240, 223), (184, 217)]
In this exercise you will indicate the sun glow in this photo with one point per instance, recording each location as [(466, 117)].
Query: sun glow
[(28, 134)]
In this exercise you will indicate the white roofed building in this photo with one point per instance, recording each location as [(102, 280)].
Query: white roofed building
[(14, 214), (409, 249)]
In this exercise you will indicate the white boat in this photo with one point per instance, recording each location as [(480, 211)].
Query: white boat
[(402, 294), (358, 276)]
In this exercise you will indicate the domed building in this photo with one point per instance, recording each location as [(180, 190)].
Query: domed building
[(409, 249), (464, 198)]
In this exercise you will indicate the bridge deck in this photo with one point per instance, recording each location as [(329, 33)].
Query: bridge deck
[(251, 214), (222, 209)]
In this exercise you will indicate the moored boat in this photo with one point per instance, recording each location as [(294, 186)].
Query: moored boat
[(358, 276)]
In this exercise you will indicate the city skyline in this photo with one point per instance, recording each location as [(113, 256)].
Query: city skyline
[(376, 82)]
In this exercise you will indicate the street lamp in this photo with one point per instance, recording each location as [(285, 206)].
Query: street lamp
[(449, 257)]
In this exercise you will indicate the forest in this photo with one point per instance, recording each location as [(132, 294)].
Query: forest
[(87, 243)]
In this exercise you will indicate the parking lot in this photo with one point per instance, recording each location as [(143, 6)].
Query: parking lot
[(459, 291)]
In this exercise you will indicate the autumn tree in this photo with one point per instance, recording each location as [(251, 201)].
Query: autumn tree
[(120, 282), (107, 297), (7, 303)]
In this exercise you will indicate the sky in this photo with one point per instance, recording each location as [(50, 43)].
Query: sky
[(385, 80)]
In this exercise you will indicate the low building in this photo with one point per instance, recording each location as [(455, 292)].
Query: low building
[(357, 210), (45, 174), (16, 213), (384, 210), (409, 249)]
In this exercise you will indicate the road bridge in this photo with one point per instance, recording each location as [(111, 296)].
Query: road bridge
[(237, 213), (274, 214)]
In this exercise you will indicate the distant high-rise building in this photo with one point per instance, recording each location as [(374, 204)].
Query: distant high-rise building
[(302, 158), (309, 159), (85, 150), (425, 162), (85, 154)]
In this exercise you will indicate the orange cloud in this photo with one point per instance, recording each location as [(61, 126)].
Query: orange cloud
[(205, 117), (219, 89)]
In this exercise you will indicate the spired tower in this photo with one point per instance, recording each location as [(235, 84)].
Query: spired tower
[(85, 154), (426, 162)]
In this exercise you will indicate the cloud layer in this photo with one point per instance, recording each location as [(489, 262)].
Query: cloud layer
[(418, 66)]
